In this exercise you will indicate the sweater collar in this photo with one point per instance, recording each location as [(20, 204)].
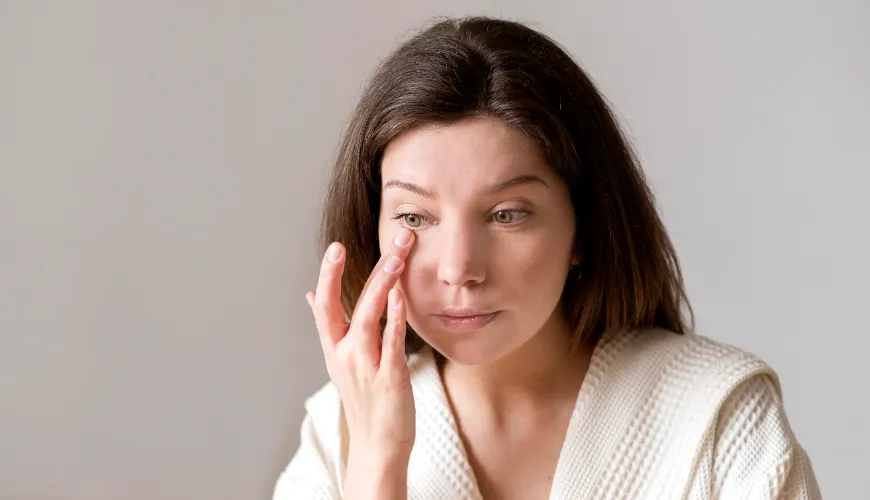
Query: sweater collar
[(439, 462)]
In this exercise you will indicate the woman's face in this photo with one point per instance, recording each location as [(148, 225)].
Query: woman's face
[(494, 236)]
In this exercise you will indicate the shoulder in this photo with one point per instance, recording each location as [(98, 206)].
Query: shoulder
[(715, 368), (733, 406), (716, 408), (755, 452), (692, 345), (697, 384)]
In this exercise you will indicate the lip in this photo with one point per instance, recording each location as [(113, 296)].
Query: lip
[(462, 312), (464, 320)]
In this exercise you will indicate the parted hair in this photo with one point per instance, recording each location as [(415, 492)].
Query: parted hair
[(483, 67)]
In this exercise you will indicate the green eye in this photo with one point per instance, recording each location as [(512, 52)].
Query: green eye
[(503, 216), (508, 216), (412, 220)]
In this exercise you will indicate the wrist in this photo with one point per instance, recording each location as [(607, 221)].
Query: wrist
[(378, 453), (377, 474), (376, 460)]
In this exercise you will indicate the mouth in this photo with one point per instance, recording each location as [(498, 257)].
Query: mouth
[(464, 320)]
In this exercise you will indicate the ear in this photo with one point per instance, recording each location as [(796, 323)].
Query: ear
[(577, 254)]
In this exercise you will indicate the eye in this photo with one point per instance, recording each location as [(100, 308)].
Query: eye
[(509, 216), (410, 220)]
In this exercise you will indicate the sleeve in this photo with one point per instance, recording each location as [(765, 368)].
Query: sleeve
[(756, 454), (801, 481), (308, 475)]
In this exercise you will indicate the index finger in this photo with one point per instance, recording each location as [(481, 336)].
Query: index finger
[(402, 242), (373, 298)]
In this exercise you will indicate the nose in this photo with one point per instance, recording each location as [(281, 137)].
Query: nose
[(462, 259)]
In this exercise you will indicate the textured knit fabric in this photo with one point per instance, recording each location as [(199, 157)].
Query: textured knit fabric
[(658, 416)]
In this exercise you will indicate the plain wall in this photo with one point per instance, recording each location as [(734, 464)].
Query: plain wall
[(162, 166)]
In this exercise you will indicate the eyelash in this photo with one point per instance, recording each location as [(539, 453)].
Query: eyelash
[(401, 215)]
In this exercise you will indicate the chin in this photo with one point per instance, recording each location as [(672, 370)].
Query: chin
[(475, 348), (464, 356)]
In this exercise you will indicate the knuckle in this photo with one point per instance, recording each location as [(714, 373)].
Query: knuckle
[(353, 361), (320, 309), (344, 357), (382, 279), (324, 273), (325, 335), (329, 359), (399, 336), (387, 279), (321, 328), (396, 319), (365, 317), (390, 380)]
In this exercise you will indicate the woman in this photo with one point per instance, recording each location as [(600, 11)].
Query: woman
[(516, 310)]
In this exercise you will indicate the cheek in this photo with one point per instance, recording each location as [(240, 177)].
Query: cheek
[(386, 233), (534, 270), (535, 258), (413, 280)]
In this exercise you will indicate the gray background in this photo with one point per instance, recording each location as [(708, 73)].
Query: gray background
[(162, 165)]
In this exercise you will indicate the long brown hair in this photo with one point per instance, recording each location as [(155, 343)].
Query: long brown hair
[(461, 68)]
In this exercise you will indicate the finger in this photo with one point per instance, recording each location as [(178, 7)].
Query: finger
[(393, 353), (401, 247), (327, 298), (325, 341), (366, 317)]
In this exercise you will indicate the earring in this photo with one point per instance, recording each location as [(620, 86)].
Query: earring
[(575, 273)]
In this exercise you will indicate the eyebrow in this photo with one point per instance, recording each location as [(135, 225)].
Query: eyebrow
[(409, 186), (493, 189), (514, 182)]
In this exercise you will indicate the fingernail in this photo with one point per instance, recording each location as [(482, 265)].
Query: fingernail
[(334, 252), (392, 264), (403, 238), (394, 299)]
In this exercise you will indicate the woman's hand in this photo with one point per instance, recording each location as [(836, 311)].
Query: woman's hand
[(370, 374)]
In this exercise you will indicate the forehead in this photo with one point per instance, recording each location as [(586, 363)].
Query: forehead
[(462, 155)]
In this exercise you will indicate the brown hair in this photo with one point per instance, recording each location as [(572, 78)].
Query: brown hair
[(461, 68)]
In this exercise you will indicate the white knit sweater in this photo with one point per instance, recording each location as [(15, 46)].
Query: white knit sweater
[(658, 416)]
